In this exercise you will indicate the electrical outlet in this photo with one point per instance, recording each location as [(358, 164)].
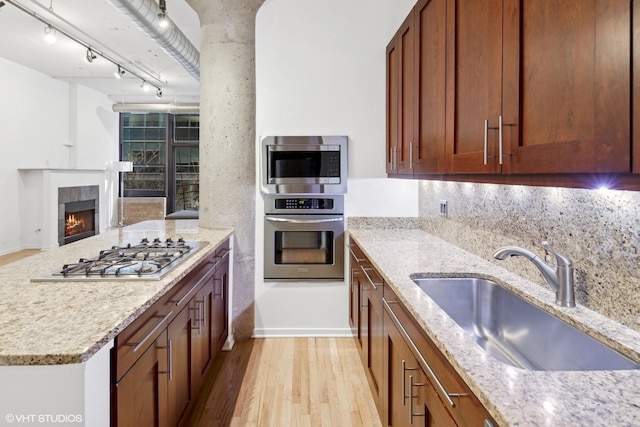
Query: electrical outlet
[(443, 208)]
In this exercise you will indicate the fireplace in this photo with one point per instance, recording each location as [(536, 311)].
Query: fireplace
[(78, 213)]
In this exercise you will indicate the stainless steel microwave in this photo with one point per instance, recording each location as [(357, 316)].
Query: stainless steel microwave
[(304, 164)]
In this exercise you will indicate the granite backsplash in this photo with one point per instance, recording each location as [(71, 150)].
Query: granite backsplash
[(598, 229)]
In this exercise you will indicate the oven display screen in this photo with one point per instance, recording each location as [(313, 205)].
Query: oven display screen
[(304, 203)]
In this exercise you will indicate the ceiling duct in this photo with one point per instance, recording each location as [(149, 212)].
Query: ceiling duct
[(173, 108), (170, 39)]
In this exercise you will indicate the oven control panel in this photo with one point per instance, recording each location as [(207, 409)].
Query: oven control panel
[(303, 203)]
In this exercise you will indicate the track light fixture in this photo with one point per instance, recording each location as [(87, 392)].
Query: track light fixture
[(163, 21), (51, 31), (90, 56), (119, 72), (49, 34)]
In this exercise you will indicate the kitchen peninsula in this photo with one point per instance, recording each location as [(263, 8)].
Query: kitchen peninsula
[(56, 337), (512, 396)]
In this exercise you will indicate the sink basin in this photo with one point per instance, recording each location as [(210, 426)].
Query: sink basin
[(516, 332)]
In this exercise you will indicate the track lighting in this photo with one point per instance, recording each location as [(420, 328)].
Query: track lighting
[(90, 56), (49, 34), (163, 21), (119, 72)]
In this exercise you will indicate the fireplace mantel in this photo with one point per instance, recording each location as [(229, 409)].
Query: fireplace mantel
[(38, 195)]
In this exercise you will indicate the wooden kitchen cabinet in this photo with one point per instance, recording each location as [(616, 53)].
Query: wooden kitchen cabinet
[(180, 393), (220, 299), (534, 92), (439, 392), (140, 397), (369, 334), (162, 359), (416, 92), (411, 398), (551, 80), (354, 295)]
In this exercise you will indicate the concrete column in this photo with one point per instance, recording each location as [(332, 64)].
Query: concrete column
[(227, 138)]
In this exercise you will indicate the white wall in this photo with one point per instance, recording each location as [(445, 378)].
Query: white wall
[(320, 69), (47, 123)]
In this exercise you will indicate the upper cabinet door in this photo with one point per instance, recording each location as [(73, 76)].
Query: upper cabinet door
[(567, 86), (428, 142), (474, 82), (636, 87)]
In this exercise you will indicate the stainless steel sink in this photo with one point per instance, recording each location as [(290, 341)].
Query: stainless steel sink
[(516, 332)]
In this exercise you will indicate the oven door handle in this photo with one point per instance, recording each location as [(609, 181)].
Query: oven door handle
[(304, 221)]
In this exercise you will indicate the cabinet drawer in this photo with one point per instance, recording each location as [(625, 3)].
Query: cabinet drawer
[(139, 336)]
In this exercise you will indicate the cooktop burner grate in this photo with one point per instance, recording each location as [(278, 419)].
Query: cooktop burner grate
[(147, 260)]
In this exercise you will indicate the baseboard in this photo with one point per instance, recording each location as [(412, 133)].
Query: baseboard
[(304, 332)]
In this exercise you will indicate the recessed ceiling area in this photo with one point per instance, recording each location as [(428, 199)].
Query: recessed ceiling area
[(110, 33)]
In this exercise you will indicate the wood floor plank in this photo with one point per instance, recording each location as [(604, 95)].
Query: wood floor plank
[(306, 382), (17, 255)]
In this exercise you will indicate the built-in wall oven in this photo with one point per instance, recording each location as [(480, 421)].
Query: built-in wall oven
[(304, 236)]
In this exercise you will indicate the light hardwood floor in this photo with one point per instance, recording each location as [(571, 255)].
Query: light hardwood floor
[(15, 256), (286, 382)]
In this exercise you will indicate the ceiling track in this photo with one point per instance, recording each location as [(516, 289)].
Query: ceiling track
[(145, 14)]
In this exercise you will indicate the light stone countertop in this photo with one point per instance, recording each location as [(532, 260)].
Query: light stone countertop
[(514, 397), (49, 323)]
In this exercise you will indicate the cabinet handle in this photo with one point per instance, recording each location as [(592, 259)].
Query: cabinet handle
[(488, 423), (500, 139), (204, 311), (404, 388), (354, 255), (364, 270), (486, 141), (416, 352), (411, 397), (410, 155), (170, 361), (395, 157), (187, 296), (138, 345)]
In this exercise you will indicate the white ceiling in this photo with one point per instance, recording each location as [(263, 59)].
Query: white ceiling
[(103, 27)]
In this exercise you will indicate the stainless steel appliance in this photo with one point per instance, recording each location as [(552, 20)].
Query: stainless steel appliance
[(304, 237), (304, 164), (146, 260)]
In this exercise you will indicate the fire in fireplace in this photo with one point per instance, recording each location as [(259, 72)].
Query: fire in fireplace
[(79, 220)]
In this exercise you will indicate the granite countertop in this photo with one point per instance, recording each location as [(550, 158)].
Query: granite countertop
[(514, 397), (49, 323)]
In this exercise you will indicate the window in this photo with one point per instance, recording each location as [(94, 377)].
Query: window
[(165, 154)]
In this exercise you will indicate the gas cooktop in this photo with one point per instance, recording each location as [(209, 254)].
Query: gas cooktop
[(146, 260)]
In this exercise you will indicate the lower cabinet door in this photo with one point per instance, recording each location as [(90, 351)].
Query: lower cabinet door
[(141, 395), (201, 307), (220, 304), (412, 400), (180, 366)]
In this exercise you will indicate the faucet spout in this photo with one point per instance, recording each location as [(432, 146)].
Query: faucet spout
[(560, 278)]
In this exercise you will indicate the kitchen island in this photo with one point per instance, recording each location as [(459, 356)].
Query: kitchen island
[(513, 396), (56, 337)]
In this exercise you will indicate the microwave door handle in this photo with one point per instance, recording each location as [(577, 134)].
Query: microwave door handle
[(304, 221)]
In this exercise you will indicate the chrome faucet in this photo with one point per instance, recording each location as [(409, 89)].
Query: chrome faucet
[(560, 278)]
